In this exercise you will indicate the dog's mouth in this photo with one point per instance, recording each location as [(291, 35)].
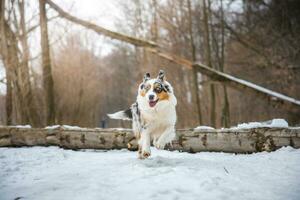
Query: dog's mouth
[(152, 103)]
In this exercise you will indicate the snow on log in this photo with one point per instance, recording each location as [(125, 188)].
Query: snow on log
[(240, 84), (187, 140)]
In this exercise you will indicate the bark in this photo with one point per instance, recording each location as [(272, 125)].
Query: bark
[(269, 95), (226, 109), (46, 62), (217, 140)]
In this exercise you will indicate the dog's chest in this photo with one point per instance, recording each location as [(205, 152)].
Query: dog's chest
[(157, 117)]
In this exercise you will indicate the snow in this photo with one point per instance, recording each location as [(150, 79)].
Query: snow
[(68, 127), (203, 128), (275, 95), (52, 173), (21, 126), (72, 127), (274, 123), (52, 127)]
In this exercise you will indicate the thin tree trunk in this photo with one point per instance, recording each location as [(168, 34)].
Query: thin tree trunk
[(195, 72), (4, 54), (226, 108), (9, 52), (154, 25), (47, 74), (24, 70), (209, 63)]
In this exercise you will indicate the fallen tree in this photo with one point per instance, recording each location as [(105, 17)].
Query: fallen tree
[(187, 140)]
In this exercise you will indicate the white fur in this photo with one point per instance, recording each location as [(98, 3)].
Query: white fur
[(119, 115), (158, 121)]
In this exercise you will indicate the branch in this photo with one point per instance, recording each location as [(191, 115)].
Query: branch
[(101, 30), (247, 44), (239, 84), (243, 85)]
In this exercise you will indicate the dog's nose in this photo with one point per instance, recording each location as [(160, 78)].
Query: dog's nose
[(151, 97)]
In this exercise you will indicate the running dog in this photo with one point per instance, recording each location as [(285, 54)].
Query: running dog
[(153, 114)]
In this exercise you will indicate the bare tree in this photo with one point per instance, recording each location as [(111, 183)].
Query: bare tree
[(46, 63), (4, 54), (208, 60), (30, 104), (195, 72)]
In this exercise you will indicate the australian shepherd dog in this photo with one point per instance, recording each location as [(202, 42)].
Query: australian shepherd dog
[(153, 114)]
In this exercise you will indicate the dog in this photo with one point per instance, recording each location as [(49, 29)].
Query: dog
[(153, 114)]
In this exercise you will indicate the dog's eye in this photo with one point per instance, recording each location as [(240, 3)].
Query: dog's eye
[(158, 89), (147, 87)]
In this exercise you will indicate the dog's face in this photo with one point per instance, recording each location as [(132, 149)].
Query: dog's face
[(155, 90)]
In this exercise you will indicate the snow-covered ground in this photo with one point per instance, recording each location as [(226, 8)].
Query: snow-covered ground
[(41, 173)]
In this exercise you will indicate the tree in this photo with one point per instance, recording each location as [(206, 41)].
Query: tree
[(46, 63), (208, 59), (30, 104), (4, 54), (195, 72)]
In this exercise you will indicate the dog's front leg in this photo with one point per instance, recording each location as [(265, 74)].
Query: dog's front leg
[(144, 144), (167, 136)]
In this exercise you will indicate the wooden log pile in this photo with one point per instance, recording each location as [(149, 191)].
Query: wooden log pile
[(187, 140)]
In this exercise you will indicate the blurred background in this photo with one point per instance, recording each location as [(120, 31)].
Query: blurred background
[(53, 71)]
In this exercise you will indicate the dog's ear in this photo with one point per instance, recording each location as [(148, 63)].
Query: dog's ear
[(146, 77), (161, 75)]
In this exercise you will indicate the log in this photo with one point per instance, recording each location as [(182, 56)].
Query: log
[(187, 140)]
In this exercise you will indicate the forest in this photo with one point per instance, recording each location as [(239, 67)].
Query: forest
[(60, 68), (233, 133)]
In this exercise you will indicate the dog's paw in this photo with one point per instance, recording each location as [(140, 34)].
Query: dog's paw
[(144, 154), (160, 145)]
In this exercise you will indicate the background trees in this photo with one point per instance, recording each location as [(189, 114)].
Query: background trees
[(65, 79)]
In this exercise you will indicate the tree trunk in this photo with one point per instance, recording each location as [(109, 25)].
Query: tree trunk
[(9, 52), (46, 62), (30, 104), (154, 25), (209, 62), (218, 45), (189, 140), (195, 72), (226, 109), (4, 54)]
